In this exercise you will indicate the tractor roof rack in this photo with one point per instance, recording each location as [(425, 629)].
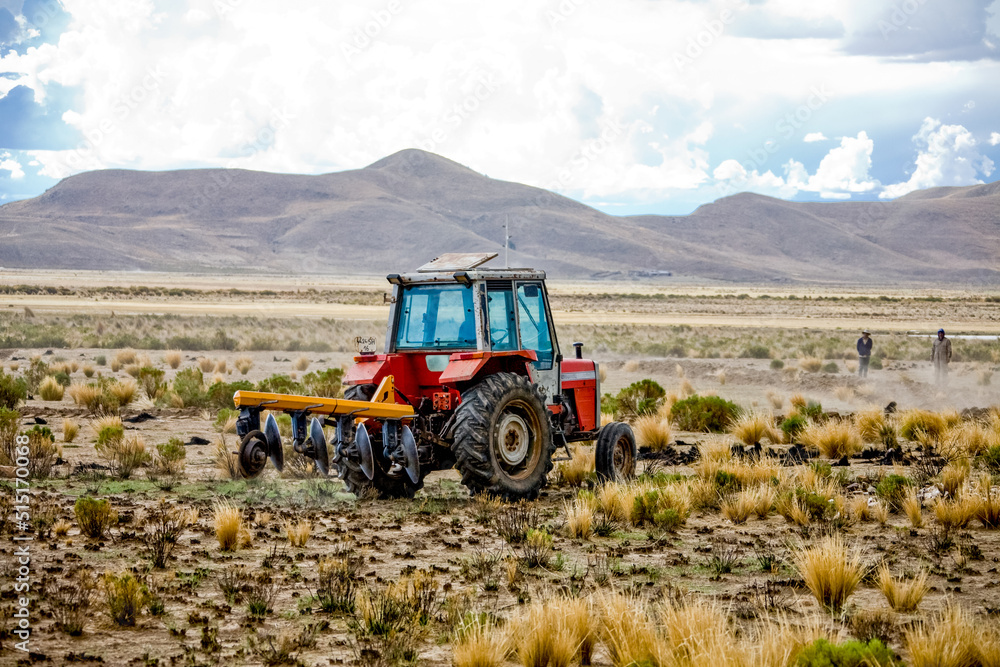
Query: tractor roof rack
[(457, 261)]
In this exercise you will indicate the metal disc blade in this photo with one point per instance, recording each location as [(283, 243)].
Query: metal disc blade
[(410, 452), (365, 451), (252, 456), (319, 445), (274, 449)]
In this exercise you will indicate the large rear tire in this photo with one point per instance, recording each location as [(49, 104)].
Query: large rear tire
[(616, 453), (503, 441), (349, 467)]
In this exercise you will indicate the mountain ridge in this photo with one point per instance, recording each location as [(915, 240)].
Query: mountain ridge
[(410, 206)]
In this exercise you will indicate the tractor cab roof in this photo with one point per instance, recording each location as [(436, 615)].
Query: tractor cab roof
[(463, 268)]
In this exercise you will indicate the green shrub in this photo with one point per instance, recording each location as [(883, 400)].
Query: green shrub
[(726, 482), (875, 363), (189, 386), (639, 398), (892, 489), (324, 383), (280, 384), (669, 519), (704, 413), (10, 422), (152, 383), (220, 394), (777, 364), (172, 451), (991, 459), (818, 506), (831, 367), (12, 391), (792, 426), (100, 360), (813, 409), (42, 451), (125, 596), (756, 352), (36, 372), (851, 653), (94, 516), (62, 377)]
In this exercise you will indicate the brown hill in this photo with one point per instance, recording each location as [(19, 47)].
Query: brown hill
[(413, 205)]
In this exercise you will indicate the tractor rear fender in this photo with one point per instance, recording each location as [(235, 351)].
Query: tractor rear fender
[(367, 369), (466, 366)]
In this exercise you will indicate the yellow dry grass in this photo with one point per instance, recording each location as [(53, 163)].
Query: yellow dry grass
[(206, 365), (739, 507), (810, 364), (948, 640), (579, 518), (830, 571), (50, 389), (578, 469), (173, 358), (298, 533), (652, 432), (834, 439), (228, 523), (124, 391), (913, 508), (753, 427), (480, 643), (70, 429), (301, 363), (903, 595), (243, 364), (955, 513)]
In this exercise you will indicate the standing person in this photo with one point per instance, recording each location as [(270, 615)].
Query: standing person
[(940, 356), (864, 353)]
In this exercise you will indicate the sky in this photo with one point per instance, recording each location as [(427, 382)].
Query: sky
[(631, 106)]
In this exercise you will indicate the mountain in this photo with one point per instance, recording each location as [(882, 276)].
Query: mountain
[(411, 206)]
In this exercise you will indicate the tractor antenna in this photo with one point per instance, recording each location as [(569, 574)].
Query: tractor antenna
[(506, 242)]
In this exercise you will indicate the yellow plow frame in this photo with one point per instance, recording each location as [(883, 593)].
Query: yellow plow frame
[(382, 406)]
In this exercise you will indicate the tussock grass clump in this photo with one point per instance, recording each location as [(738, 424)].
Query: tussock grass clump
[(61, 528), (777, 400), (122, 453), (738, 507), (955, 513), (874, 426), (221, 366), (913, 509), (50, 389), (205, 364), (953, 476), (653, 432), (70, 429), (228, 522), (86, 395), (581, 619), (579, 519), (301, 363), (124, 391), (753, 427), (480, 643), (88, 370), (914, 422), (298, 532), (226, 461), (125, 356), (578, 469), (243, 364), (834, 439), (94, 516), (811, 364), (125, 596), (542, 638), (948, 640), (173, 358), (831, 573), (988, 506), (902, 595)]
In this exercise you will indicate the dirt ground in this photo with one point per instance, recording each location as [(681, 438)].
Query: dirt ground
[(441, 531)]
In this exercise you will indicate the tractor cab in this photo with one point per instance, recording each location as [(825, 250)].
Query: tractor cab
[(450, 306)]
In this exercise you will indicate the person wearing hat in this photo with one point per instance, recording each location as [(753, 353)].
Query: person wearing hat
[(941, 356), (864, 353)]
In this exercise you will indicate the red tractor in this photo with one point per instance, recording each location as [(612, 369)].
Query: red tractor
[(472, 377)]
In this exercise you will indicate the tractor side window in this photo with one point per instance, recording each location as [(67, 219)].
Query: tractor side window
[(503, 326), (534, 323), (436, 316)]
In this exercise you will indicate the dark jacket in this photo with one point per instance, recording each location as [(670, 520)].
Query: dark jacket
[(864, 347)]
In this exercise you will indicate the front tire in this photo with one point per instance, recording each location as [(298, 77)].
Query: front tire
[(616, 453), (381, 486), (503, 442)]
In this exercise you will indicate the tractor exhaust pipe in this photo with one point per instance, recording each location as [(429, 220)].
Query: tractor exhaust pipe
[(579, 350)]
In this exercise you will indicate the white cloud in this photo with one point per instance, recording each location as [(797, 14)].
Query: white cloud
[(994, 138), (813, 137), (947, 156), (8, 163)]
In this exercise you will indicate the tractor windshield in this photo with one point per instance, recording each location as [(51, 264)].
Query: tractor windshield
[(436, 317)]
